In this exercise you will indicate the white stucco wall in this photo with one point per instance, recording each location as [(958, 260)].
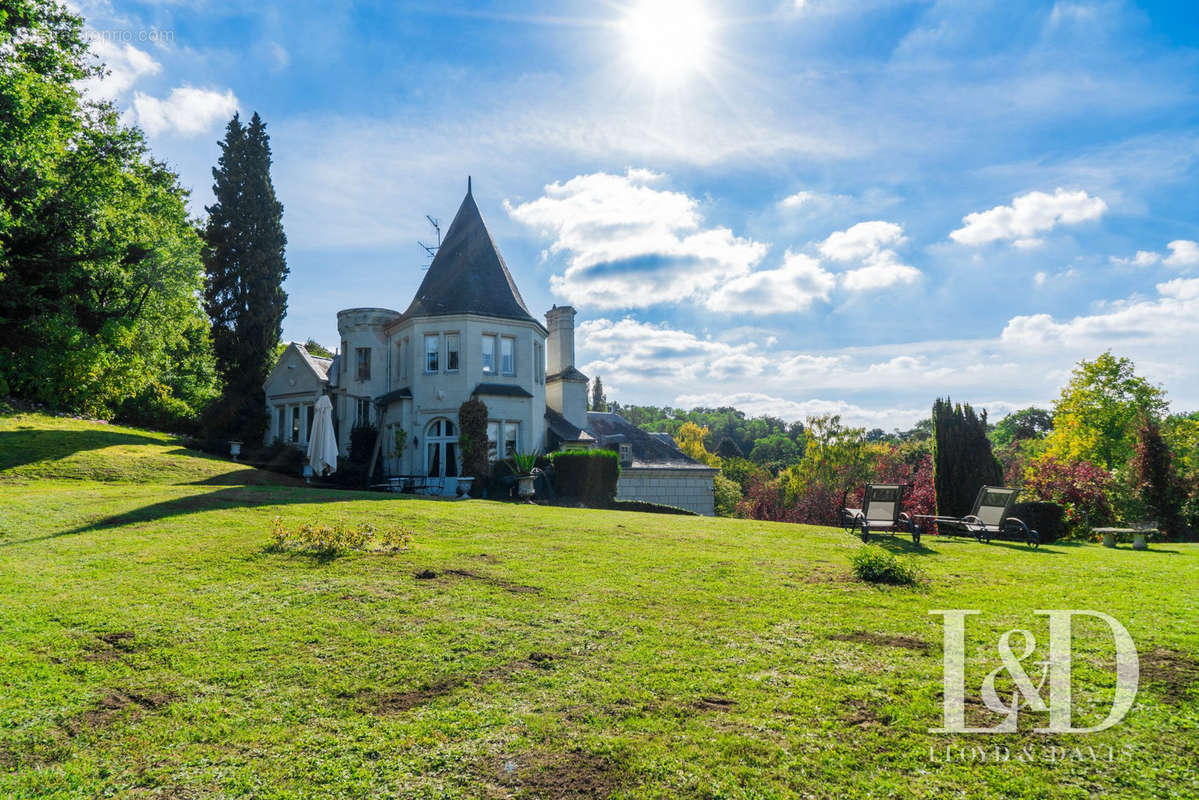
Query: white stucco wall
[(685, 488), (293, 387), (438, 395)]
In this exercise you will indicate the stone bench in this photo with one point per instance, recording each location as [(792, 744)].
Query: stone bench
[(1138, 531)]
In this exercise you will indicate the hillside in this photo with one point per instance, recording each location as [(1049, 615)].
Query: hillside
[(154, 647)]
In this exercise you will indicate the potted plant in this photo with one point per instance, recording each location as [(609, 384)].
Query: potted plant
[(523, 464)]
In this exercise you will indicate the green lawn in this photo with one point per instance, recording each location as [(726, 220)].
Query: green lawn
[(153, 647)]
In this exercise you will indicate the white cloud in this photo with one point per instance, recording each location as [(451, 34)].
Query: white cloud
[(630, 350), (1183, 253), (278, 54), (798, 199), (1165, 323), (1028, 215), (862, 240), (758, 404), (631, 245), (794, 286), (871, 244), (187, 110), (124, 65)]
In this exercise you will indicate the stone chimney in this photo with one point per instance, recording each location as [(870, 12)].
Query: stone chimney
[(565, 386), (560, 346)]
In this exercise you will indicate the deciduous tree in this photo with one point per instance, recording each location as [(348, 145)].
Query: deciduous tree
[(1095, 418)]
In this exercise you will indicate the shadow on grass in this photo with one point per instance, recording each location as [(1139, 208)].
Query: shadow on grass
[(904, 546), (222, 499), (31, 445), (1045, 549)]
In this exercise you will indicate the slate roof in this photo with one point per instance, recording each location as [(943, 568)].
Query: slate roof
[(501, 390), (649, 451), (319, 365), (393, 395), (568, 374), (562, 428), (468, 274)]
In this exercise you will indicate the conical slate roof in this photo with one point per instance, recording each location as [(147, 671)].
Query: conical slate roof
[(468, 275)]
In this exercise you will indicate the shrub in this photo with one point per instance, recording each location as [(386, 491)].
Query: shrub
[(327, 541), (590, 475), (362, 443), (472, 441), (727, 494), (876, 565), (1082, 488), (1047, 519)]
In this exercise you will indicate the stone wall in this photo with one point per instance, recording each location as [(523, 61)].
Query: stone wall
[(686, 488)]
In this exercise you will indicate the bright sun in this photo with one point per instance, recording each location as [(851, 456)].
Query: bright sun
[(668, 40)]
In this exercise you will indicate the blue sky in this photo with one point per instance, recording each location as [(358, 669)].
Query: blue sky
[(794, 207)]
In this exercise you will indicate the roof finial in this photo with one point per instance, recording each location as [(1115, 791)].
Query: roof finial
[(468, 184)]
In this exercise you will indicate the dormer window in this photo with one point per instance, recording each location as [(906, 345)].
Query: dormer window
[(364, 363), (626, 453)]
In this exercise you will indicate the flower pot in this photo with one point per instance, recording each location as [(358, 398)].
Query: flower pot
[(464, 486), (524, 486), (1138, 542), (235, 449), (1109, 540)]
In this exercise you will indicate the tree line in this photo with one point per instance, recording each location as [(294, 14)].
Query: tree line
[(114, 302)]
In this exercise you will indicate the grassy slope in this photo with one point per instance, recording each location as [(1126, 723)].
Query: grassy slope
[(151, 647)]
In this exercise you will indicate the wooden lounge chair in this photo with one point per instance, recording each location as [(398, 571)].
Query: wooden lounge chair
[(881, 511), (992, 515)]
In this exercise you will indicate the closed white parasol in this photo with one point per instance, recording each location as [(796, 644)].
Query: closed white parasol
[(322, 444)]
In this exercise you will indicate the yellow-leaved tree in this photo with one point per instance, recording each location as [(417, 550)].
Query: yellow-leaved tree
[(690, 440)]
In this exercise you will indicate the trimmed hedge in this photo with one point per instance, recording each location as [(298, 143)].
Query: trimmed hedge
[(650, 508), (1047, 519), (589, 475)]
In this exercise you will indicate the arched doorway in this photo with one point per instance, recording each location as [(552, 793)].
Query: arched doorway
[(441, 449)]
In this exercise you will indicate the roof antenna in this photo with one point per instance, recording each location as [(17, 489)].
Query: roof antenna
[(468, 184), (431, 250)]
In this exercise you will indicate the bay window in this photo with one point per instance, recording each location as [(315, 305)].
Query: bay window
[(489, 354), (451, 352), (432, 351), (508, 355)]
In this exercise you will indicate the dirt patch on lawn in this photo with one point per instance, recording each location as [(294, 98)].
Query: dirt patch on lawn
[(111, 646), (825, 576), (1173, 673), (396, 702), (558, 776), (884, 640), (516, 588), (112, 705), (862, 714), (715, 704)]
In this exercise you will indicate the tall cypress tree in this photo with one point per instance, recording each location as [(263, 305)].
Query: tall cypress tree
[(598, 401), (245, 267), (962, 459)]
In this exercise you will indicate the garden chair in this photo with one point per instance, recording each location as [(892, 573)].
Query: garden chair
[(881, 511), (992, 515)]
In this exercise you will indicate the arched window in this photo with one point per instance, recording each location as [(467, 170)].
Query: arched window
[(441, 449)]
